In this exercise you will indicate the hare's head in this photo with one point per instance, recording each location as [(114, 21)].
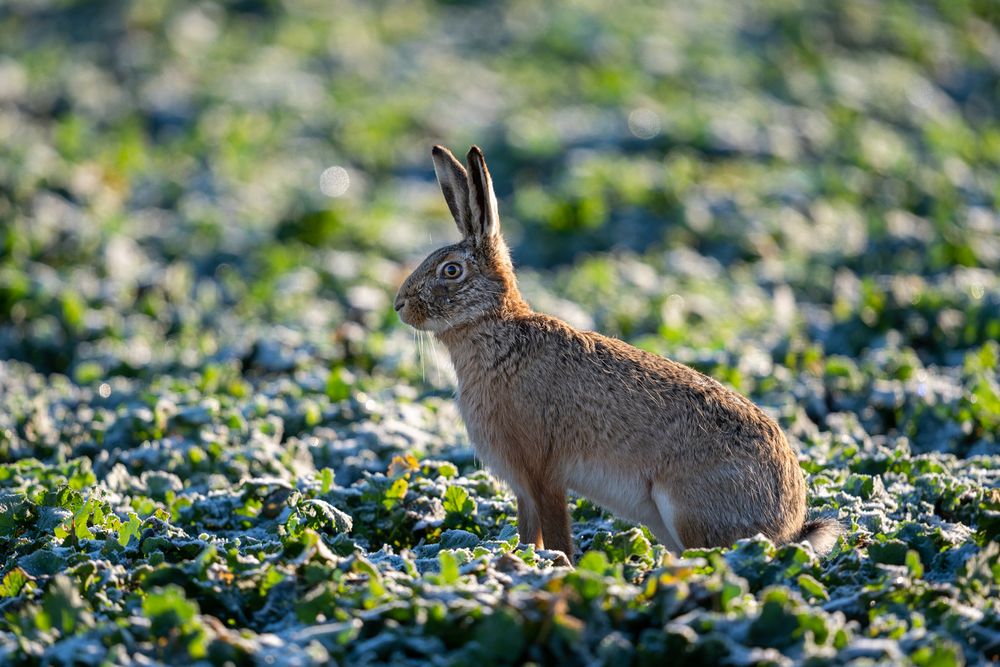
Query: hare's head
[(469, 280)]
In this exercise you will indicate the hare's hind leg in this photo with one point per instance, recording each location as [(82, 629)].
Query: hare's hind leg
[(529, 526), (667, 530)]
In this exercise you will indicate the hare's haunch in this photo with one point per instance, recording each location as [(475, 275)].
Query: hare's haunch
[(550, 408)]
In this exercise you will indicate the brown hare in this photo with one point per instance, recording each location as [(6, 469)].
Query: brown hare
[(550, 408)]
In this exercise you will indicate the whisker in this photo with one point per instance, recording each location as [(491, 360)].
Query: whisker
[(437, 361), (415, 346), (420, 348)]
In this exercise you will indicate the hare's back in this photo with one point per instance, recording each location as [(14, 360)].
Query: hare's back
[(605, 391)]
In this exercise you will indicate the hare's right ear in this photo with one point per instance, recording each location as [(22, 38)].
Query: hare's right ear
[(454, 184), (482, 199)]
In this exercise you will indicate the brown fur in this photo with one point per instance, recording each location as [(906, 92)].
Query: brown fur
[(550, 408)]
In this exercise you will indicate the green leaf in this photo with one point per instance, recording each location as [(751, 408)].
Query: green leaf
[(594, 561), (943, 654), (174, 616), (42, 562), (625, 546), (362, 565), (863, 486), (775, 626), (458, 539), (88, 372), (456, 501), (338, 384), (395, 493), (449, 567), (80, 519), (891, 552), (731, 591), (270, 580), (63, 609), (812, 586), (500, 638), (322, 516), (73, 310), (15, 515), (128, 530), (14, 582), (326, 478), (914, 565), (169, 608), (63, 497)]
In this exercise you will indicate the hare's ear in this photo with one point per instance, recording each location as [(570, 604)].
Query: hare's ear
[(482, 199), (454, 184)]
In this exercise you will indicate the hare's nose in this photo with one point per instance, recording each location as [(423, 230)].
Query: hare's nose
[(399, 302)]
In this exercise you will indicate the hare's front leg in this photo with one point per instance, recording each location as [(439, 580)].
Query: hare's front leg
[(554, 517), (529, 527)]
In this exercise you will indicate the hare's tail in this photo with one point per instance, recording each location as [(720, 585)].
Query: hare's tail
[(821, 533)]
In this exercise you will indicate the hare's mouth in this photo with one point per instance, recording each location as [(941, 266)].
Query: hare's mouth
[(408, 316), (412, 312), (424, 323), (421, 322)]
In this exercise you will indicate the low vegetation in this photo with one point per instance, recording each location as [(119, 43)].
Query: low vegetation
[(219, 444)]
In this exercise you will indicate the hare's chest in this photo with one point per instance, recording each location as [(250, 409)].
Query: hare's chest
[(496, 427)]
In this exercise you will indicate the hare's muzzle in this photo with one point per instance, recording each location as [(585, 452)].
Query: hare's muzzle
[(399, 302)]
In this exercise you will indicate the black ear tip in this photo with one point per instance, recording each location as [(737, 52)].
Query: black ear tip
[(475, 152), (438, 151)]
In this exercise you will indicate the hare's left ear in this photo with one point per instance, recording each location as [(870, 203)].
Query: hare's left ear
[(482, 199), (454, 184)]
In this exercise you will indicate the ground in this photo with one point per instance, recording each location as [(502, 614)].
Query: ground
[(218, 443)]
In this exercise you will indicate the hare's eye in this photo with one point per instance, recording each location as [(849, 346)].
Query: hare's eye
[(451, 270)]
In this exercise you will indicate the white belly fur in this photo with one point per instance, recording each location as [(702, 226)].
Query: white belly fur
[(624, 493)]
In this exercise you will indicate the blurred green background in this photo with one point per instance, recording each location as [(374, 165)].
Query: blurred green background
[(172, 170), (217, 437)]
